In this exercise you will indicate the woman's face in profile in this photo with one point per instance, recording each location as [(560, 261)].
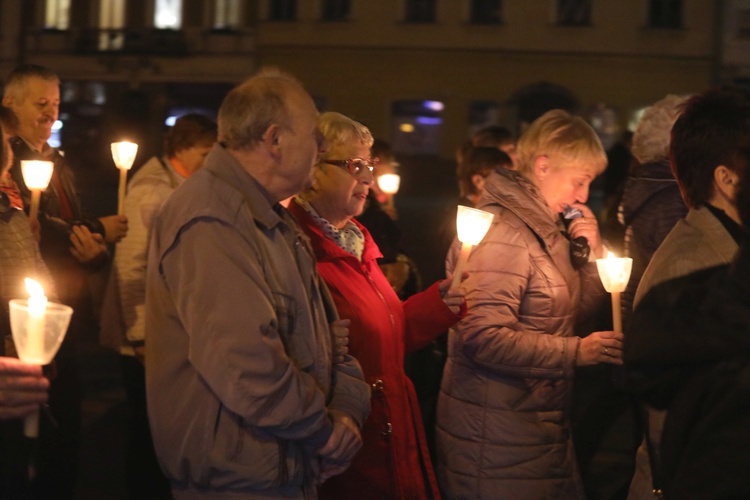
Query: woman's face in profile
[(565, 183)]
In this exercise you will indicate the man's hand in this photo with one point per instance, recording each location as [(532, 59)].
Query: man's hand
[(115, 227), (22, 388), (87, 246), (340, 339), (344, 442)]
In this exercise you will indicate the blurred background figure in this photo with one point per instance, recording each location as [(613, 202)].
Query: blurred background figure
[(495, 136), (394, 461), (512, 359), (186, 145), (651, 203), (74, 248)]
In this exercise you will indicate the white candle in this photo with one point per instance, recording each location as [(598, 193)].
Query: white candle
[(471, 226), (615, 274), (123, 154), (36, 176)]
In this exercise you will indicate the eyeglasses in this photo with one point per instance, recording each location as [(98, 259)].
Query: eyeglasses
[(356, 166)]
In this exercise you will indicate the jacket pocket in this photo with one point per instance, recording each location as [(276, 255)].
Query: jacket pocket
[(294, 342)]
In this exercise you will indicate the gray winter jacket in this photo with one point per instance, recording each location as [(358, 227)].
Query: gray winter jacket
[(503, 421)]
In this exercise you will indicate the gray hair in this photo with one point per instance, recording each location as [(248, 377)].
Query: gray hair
[(253, 106), (15, 84), (652, 134)]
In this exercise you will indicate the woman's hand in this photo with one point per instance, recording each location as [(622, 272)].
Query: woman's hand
[(454, 299), (22, 388), (600, 347), (588, 227), (115, 227), (340, 339)]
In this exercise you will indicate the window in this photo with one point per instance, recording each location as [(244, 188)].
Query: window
[(227, 15), (111, 22), (420, 11), (486, 12), (283, 10), (665, 14), (336, 10), (57, 14), (573, 12), (168, 14)]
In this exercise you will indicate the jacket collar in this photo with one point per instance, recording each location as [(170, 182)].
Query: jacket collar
[(519, 195), (324, 248), (223, 165)]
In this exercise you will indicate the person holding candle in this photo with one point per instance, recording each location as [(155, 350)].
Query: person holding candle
[(244, 399), (73, 247), (186, 145), (393, 462), (23, 387), (503, 424), (708, 149)]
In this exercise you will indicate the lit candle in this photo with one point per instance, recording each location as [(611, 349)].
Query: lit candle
[(38, 329), (36, 176), (389, 184), (123, 154), (471, 226), (615, 274)]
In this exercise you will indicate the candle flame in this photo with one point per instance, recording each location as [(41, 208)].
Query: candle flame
[(35, 289)]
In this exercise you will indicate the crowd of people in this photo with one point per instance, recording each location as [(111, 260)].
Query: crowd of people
[(265, 329)]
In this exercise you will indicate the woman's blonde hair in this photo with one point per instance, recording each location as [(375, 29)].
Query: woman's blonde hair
[(560, 135), (339, 129)]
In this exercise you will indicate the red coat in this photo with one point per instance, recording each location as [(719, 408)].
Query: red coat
[(394, 461)]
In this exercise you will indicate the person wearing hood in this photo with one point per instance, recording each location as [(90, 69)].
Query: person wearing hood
[(651, 203)]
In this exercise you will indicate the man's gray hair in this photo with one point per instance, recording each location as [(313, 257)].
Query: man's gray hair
[(253, 106), (15, 84)]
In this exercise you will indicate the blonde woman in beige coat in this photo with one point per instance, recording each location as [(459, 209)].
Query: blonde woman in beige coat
[(503, 425)]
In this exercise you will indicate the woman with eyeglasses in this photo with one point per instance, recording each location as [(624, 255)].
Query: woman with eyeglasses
[(393, 461)]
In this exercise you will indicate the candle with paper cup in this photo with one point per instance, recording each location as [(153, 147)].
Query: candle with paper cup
[(36, 176), (471, 226), (38, 329), (123, 154), (389, 184), (615, 274)]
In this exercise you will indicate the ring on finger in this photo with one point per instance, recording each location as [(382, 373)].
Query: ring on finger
[(606, 351)]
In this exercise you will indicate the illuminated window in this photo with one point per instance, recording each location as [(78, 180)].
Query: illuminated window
[(420, 11), (168, 14), (111, 23), (665, 14), (57, 14), (486, 12), (283, 10), (574, 12), (227, 15), (336, 10)]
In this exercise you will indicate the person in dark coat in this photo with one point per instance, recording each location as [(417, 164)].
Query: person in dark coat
[(688, 351)]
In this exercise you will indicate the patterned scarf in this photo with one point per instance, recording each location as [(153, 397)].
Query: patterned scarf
[(349, 238)]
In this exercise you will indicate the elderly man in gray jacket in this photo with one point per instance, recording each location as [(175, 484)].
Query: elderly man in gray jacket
[(243, 398)]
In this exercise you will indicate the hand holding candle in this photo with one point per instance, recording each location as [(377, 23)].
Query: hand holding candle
[(123, 154), (36, 176), (38, 329), (471, 226), (615, 274)]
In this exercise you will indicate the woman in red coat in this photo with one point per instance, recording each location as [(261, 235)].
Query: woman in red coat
[(393, 461)]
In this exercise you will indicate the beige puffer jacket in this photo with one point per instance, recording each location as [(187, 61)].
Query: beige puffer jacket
[(502, 424)]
